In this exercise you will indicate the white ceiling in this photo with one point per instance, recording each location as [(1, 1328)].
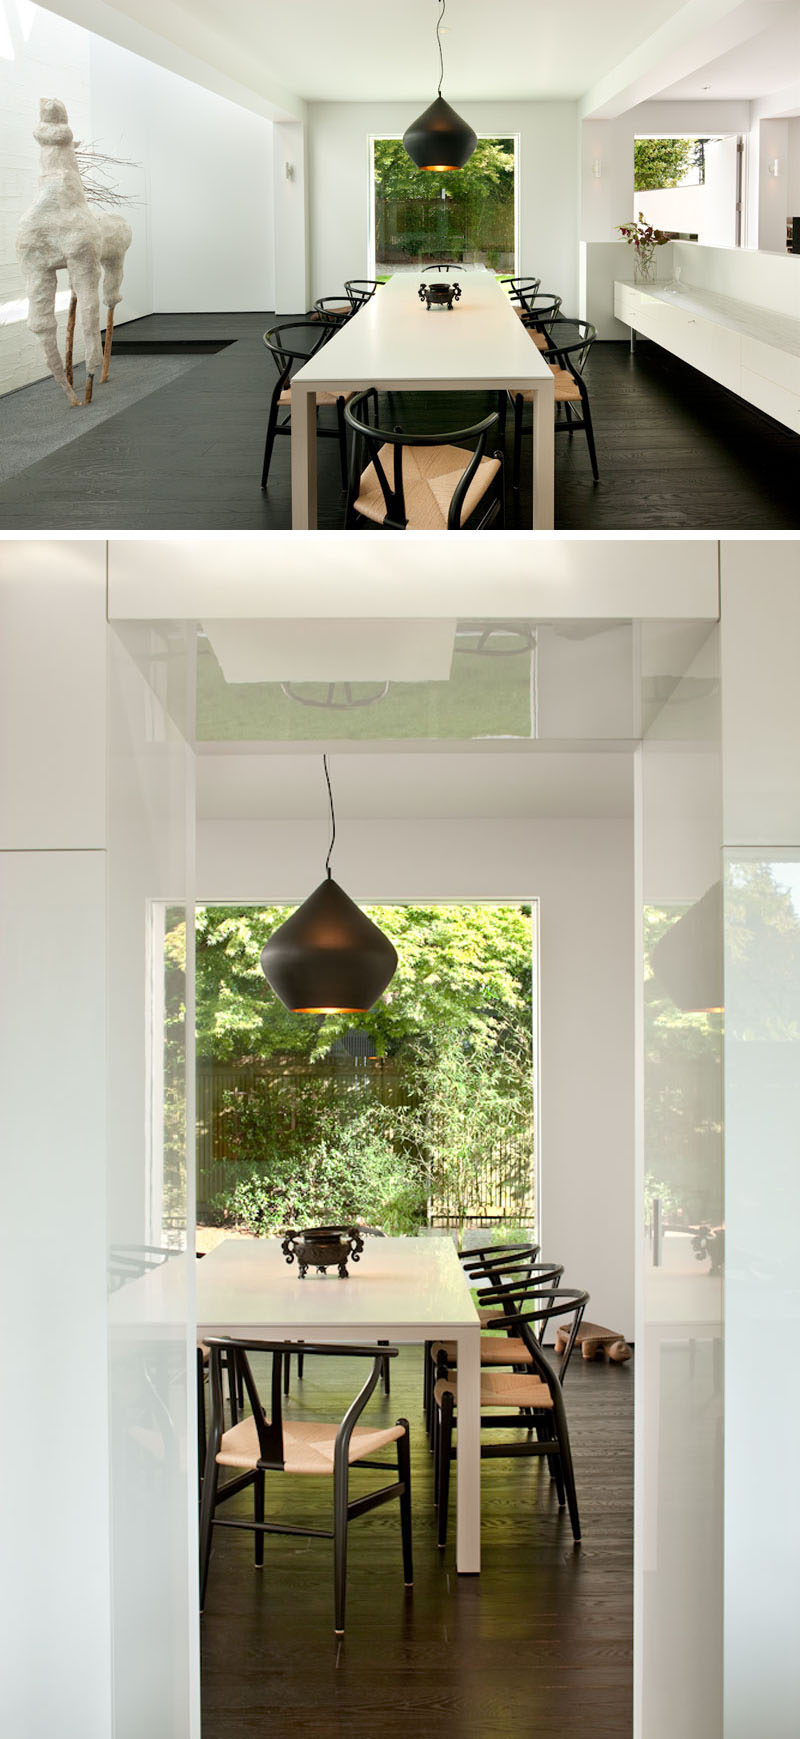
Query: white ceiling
[(441, 787), (383, 49), (769, 61)]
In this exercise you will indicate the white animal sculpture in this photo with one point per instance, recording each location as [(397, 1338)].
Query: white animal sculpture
[(60, 230)]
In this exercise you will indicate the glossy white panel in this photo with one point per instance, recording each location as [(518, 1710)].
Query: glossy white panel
[(54, 1589), (761, 695), (386, 575), (762, 1291), (678, 1540), (150, 1201), (52, 695)]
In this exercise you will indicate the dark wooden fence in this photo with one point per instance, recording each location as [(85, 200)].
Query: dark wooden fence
[(500, 1187)]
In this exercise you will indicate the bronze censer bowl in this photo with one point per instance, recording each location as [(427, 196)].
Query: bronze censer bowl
[(439, 295), (323, 1247)]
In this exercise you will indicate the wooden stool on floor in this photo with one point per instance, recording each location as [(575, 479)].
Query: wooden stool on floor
[(595, 1341)]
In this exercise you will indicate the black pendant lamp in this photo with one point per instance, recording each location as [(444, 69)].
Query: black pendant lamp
[(440, 139), (328, 958)]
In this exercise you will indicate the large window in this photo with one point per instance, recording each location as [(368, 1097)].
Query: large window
[(418, 1114), (465, 215)]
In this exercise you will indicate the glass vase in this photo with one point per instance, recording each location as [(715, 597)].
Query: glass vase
[(644, 266)]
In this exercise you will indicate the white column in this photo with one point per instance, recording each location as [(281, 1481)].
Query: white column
[(55, 1477), (678, 1515), (761, 758)]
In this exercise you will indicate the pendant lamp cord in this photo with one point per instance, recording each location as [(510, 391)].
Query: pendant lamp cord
[(333, 817), (439, 40)]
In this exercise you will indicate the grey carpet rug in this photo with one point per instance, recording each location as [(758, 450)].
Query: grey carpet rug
[(37, 419)]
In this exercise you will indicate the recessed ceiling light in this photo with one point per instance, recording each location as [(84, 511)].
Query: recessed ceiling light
[(705, 87)]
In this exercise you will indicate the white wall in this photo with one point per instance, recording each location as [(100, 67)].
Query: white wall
[(340, 185), (582, 874), (773, 141), (201, 180), (212, 201)]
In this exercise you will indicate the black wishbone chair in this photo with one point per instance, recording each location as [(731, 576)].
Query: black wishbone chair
[(291, 344), (529, 1400), (339, 309), (422, 482), (516, 1270), (259, 1444), (361, 291), (566, 353), (520, 291), (538, 314)]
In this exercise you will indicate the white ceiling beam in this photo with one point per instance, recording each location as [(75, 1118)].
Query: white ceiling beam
[(408, 574), (166, 34), (697, 33)]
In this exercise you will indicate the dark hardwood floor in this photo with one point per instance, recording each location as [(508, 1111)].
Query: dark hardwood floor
[(675, 452), (539, 1644)]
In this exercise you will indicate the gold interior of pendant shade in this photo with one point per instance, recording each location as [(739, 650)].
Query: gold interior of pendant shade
[(336, 1010), (438, 168)]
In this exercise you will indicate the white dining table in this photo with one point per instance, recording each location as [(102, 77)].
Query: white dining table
[(402, 1290), (395, 343)]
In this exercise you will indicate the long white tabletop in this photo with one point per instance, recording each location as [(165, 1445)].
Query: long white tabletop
[(395, 342), (401, 1290)]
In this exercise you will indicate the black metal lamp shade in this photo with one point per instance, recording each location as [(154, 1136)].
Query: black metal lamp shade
[(440, 139), (329, 957)]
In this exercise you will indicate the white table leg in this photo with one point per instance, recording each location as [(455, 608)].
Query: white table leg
[(544, 443), (304, 459), (468, 1460)]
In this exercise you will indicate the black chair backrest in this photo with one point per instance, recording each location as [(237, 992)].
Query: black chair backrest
[(490, 1255), (540, 310), (569, 342), (294, 342), (269, 1427), (338, 309), (361, 290), (373, 438), (520, 1308), (521, 290)]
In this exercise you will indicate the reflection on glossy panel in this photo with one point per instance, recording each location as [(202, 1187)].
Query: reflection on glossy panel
[(301, 681), (762, 1093), (682, 1238), (149, 1185)]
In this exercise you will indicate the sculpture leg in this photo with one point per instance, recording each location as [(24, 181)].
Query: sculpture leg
[(41, 283), (70, 341), (84, 276), (107, 346)]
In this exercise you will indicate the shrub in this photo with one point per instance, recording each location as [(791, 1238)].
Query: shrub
[(351, 1171)]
